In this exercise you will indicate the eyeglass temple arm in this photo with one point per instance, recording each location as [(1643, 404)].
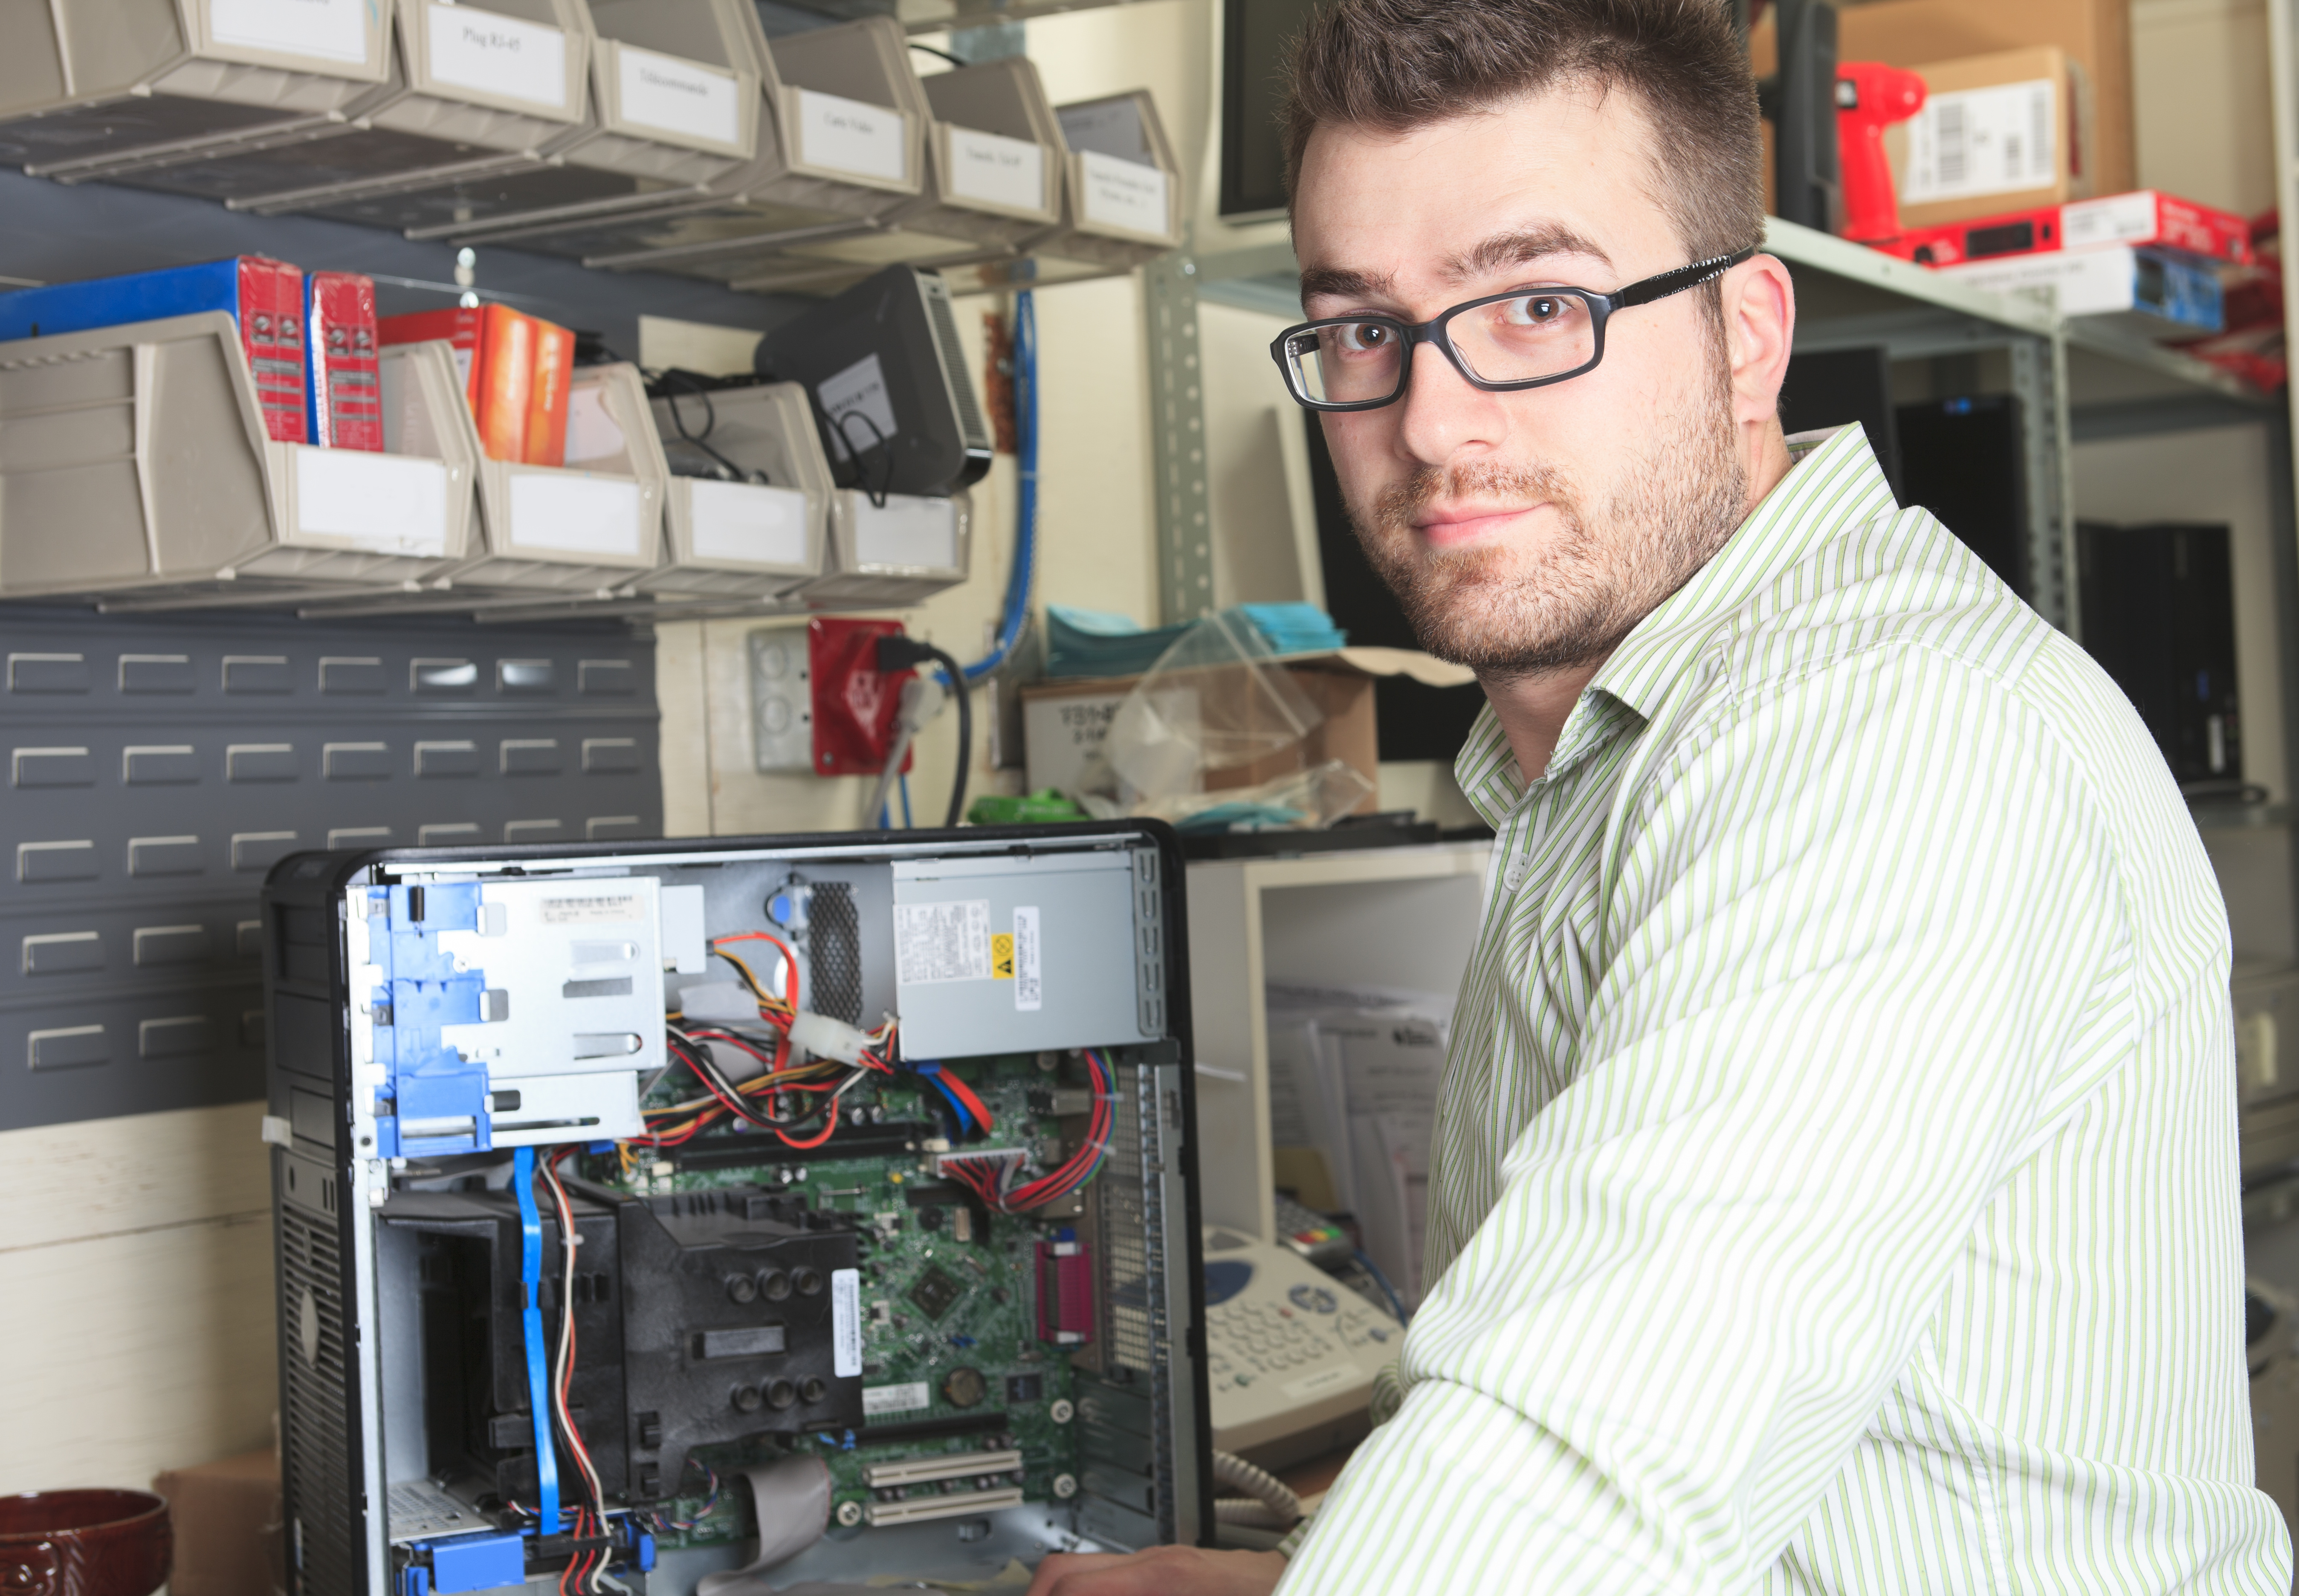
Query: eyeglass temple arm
[(1679, 280)]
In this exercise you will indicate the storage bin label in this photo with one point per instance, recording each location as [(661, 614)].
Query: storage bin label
[(498, 54), (575, 515), (383, 503), (849, 135), (330, 29), (1124, 193), (679, 96), (742, 521), (909, 532), (1004, 171)]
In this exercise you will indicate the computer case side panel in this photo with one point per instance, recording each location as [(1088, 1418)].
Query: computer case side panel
[(328, 1440)]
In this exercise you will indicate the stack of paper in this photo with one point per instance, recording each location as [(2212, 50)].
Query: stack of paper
[(1354, 1073)]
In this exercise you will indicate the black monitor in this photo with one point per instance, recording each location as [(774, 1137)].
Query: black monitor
[(1255, 33)]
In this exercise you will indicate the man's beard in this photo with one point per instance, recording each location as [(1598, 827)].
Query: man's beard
[(1506, 610)]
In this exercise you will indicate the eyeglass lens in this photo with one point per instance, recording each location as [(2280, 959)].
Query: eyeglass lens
[(1512, 340)]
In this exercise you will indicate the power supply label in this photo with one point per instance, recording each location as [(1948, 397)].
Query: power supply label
[(1029, 990), (942, 942), (846, 1323)]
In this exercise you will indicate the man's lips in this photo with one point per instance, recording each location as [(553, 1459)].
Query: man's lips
[(1468, 523)]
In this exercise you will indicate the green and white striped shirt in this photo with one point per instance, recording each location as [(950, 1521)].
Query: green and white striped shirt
[(1835, 1186)]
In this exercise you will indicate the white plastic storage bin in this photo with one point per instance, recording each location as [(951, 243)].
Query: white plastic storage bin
[(588, 528), (741, 539), (883, 556), (473, 91), (1123, 203), (840, 150), (83, 82), (995, 169), (674, 106), (133, 460)]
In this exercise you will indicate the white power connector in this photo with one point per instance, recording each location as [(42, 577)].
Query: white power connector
[(826, 1037)]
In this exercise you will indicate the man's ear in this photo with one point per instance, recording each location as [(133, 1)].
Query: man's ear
[(1760, 329)]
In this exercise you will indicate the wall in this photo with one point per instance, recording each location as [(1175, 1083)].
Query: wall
[(2201, 101), (136, 1275)]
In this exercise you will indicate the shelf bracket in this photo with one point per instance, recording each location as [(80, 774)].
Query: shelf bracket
[(2039, 374), (1177, 430)]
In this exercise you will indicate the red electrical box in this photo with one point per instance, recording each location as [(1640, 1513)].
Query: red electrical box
[(854, 704)]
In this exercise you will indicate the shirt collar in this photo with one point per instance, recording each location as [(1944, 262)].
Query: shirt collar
[(1834, 482)]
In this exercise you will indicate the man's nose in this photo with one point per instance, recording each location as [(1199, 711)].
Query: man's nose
[(1443, 413)]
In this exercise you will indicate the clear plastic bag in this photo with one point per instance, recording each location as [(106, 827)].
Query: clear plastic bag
[(1217, 728)]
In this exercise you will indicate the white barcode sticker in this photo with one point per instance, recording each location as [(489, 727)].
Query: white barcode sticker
[(878, 1400), (1967, 143), (620, 908), (2118, 219), (846, 1323), (942, 942), (1029, 987)]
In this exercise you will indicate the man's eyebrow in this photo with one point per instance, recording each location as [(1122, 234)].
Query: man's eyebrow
[(1504, 250), (1344, 283)]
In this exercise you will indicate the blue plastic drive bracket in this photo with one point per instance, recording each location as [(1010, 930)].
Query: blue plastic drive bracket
[(538, 1367)]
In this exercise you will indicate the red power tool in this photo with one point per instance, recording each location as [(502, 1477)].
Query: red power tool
[(1870, 97)]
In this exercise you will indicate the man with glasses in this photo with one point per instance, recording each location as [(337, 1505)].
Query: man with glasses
[(1835, 1185)]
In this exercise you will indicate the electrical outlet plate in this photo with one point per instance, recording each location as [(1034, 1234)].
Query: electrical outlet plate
[(854, 705), (782, 706)]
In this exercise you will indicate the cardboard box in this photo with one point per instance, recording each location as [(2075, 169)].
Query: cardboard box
[(1913, 33), (225, 1516), (1998, 133), (1063, 721), (2157, 294)]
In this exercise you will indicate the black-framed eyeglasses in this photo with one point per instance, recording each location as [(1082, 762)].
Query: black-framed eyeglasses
[(1525, 338)]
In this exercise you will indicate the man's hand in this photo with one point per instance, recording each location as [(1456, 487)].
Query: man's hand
[(1166, 1571)]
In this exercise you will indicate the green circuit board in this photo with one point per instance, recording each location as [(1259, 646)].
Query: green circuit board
[(952, 1362)]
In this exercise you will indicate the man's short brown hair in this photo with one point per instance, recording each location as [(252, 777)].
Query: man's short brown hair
[(1395, 65)]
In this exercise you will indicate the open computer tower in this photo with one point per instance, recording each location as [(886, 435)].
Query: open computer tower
[(878, 1154)]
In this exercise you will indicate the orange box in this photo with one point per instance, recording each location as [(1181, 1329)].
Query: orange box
[(546, 408), (503, 381)]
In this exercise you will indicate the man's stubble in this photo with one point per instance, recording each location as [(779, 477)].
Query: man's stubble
[(1508, 612)]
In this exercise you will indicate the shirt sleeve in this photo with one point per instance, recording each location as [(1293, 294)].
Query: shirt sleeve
[(1845, 946)]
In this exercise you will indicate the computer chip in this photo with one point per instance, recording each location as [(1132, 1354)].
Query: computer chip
[(935, 1292)]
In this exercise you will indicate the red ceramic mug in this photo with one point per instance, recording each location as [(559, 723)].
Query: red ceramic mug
[(83, 1543)]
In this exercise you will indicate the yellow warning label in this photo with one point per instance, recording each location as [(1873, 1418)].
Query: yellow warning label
[(1001, 956)]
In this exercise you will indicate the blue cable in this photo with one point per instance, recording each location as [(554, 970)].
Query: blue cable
[(1396, 1302), (1018, 580), (931, 1071), (538, 1382), (904, 783)]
